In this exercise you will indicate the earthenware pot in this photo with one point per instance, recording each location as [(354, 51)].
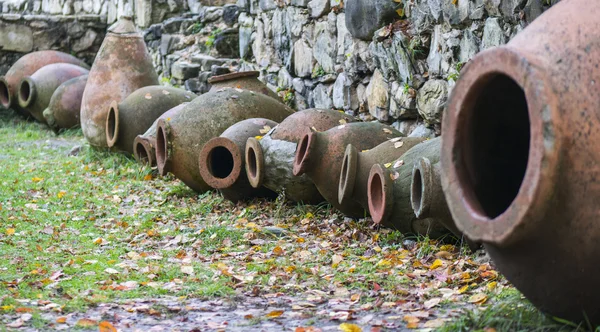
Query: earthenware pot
[(247, 80), (65, 105)]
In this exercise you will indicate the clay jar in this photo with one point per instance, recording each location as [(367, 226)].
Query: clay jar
[(520, 158), (247, 80), (222, 160), (319, 155), (122, 66), (26, 66), (356, 165), (269, 161), (144, 146), (180, 139), (389, 188), (136, 113), (36, 90), (65, 104)]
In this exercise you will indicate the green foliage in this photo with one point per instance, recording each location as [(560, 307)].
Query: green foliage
[(318, 71), (196, 28), (211, 38)]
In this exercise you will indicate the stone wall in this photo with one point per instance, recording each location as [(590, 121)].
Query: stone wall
[(403, 69)]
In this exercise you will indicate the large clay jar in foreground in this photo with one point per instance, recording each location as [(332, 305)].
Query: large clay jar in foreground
[(65, 104), (122, 66), (36, 90), (319, 155), (136, 113), (356, 165), (269, 160), (222, 160), (180, 138), (247, 80), (521, 159), (26, 66), (389, 189), (144, 146)]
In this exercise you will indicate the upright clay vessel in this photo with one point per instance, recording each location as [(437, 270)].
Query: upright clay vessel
[(65, 105), (122, 66), (222, 160), (356, 165), (427, 197), (180, 138), (36, 90), (26, 66), (319, 155), (136, 113), (247, 80), (269, 160), (144, 146), (520, 158), (389, 188)]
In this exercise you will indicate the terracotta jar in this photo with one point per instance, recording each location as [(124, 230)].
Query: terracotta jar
[(136, 113), (319, 155), (356, 165), (180, 139), (144, 146), (65, 104), (26, 66), (222, 160), (520, 158), (122, 66), (269, 161), (389, 188), (36, 90), (427, 197), (247, 80)]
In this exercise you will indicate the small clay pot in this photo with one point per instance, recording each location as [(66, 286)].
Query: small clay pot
[(180, 139), (65, 105), (222, 160), (122, 66), (26, 66), (389, 190), (247, 80), (356, 165), (269, 161), (144, 146), (427, 197), (136, 113), (36, 90), (319, 155)]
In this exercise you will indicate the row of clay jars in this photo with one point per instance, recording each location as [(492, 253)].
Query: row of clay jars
[(180, 138), (65, 105), (144, 144), (520, 159), (121, 66), (319, 155), (136, 113), (35, 91), (27, 65), (269, 158), (221, 160)]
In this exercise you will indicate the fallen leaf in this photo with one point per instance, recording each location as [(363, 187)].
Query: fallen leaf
[(16, 324), (36, 179), (387, 131), (61, 320), (398, 163), (412, 322), (394, 175), (10, 231), (148, 177), (434, 323), (479, 298), (275, 314), (278, 251), (265, 129), (105, 326), (86, 322), (398, 145), (432, 303), (24, 309), (148, 96), (347, 327), (187, 269), (110, 270), (387, 165), (492, 285), (336, 259), (437, 263), (61, 194)]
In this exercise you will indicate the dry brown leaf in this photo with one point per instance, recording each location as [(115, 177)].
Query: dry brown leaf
[(105, 326), (86, 322), (61, 320), (275, 314)]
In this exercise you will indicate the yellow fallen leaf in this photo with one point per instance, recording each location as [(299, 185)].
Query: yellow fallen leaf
[(265, 129), (463, 289), (278, 251), (61, 320), (36, 179), (258, 138), (479, 298), (7, 307), (106, 327), (347, 327), (387, 165), (85, 322), (61, 194), (343, 121), (412, 322), (437, 263), (400, 12), (10, 231), (148, 177), (492, 285), (275, 314), (98, 241)]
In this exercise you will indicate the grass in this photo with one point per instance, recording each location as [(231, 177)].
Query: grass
[(93, 228)]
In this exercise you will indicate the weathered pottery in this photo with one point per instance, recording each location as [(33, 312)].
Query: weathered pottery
[(65, 105), (247, 80)]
